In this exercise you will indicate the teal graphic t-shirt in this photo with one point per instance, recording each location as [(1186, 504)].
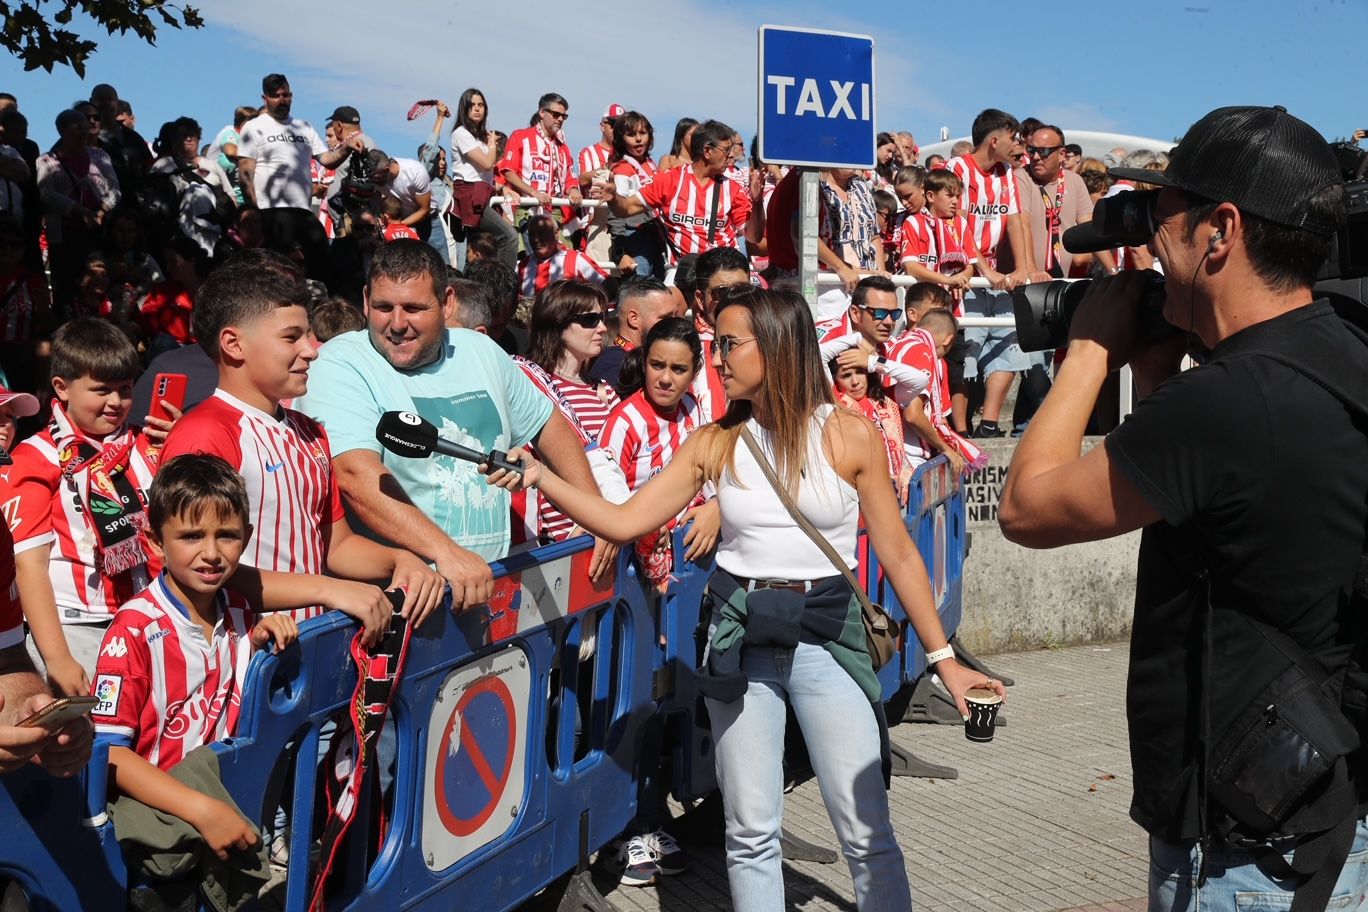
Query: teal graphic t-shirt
[(473, 393)]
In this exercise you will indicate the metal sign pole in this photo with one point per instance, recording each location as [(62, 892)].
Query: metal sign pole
[(807, 244)]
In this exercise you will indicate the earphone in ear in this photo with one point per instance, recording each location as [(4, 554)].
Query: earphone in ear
[(1215, 239)]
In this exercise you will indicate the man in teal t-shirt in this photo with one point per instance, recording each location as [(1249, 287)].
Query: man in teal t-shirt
[(407, 360)]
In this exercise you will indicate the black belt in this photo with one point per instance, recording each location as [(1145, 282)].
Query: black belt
[(802, 587)]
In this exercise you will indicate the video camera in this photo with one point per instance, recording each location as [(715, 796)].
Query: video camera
[(1044, 310)]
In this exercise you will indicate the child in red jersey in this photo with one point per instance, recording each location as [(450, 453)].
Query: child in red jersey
[(171, 671), (75, 501)]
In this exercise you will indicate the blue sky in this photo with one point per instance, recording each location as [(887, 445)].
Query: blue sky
[(1143, 68)]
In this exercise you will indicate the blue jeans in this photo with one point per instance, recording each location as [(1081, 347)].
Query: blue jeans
[(843, 740), (1235, 883)]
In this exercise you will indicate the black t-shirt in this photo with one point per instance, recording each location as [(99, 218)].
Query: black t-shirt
[(607, 367), (1261, 477)]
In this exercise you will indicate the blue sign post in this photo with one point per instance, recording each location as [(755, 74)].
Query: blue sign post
[(816, 92), (816, 98)]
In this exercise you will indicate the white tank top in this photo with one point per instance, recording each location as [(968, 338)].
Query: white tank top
[(759, 539)]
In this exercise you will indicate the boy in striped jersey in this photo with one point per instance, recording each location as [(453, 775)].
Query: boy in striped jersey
[(252, 318), (170, 673), (75, 503)]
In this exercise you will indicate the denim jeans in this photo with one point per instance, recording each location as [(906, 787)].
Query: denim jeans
[(1235, 884), (843, 740)]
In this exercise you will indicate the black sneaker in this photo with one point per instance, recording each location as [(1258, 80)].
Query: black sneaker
[(669, 857), (987, 433)]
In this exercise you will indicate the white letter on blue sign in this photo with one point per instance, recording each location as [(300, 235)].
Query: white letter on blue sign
[(842, 90), (780, 83), (809, 100)]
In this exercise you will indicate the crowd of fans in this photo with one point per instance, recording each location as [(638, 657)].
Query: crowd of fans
[(304, 284)]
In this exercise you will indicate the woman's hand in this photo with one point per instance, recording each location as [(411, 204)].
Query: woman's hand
[(958, 679), (701, 538), (514, 481)]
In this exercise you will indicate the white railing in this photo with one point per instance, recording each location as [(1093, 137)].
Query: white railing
[(530, 202)]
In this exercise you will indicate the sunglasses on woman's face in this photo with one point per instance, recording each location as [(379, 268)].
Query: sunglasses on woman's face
[(725, 344), (587, 320)]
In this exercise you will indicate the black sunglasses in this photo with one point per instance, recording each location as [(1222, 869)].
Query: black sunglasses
[(587, 320), (883, 313), (1042, 151)]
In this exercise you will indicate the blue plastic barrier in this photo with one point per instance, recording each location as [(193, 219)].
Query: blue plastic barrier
[(512, 757)]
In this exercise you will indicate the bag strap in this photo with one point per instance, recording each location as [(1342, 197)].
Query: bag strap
[(712, 216), (818, 538)]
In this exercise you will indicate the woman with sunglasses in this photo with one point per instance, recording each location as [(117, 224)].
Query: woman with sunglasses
[(567, 330), (833, 463)]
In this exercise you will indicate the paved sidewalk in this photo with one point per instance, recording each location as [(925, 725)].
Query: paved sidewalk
[(1041, 810)]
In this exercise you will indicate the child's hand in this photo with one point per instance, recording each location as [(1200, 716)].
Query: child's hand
[(424, 588), (67, 678), (362, 601), (278, 627), (223, 828), (157, 429)]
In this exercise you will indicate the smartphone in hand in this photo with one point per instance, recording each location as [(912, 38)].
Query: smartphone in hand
[(60, 712), (168, 388)]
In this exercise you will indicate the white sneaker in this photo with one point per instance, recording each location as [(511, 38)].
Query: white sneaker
[(667, 854), (639, 868)]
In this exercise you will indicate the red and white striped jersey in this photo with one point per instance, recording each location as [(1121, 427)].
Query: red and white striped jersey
[(586, 412), (18, 291), (594, 158), (11, 611), (286, 462), (685, 206), (988, 198), (43, 509), (544, 164), (630, 175), (164, 689), (707, 384), (915, 351), (535, 274), (591, 401), (642, 439)]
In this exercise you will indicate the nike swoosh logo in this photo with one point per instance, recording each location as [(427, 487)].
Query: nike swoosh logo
[(274, 468)]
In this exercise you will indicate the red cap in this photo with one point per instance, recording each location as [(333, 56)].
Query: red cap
[(614, 112)]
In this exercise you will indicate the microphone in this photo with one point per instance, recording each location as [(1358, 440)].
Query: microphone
[(407, 434)]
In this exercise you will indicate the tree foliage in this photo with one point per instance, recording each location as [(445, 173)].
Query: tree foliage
[(38, 32)]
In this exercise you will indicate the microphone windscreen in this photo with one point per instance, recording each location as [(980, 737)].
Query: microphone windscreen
[(406, 434)]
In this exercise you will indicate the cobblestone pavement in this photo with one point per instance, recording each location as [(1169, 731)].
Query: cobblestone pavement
[(1036, 821)]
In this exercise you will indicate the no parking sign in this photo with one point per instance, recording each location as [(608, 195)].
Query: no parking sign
[(476, 756)]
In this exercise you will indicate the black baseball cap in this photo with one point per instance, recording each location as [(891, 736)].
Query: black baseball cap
[(345, 114), (1264, 160)]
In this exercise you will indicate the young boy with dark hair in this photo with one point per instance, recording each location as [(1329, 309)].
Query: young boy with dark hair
[(252, 318), (936, 245), (170, 674), (75, 501)]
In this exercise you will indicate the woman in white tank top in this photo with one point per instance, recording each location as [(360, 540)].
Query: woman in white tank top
[(834, 462)]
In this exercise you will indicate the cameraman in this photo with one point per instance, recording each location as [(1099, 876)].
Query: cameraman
[(1249, 481)]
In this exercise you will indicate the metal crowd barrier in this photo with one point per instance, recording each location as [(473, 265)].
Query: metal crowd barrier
[(516, 748)]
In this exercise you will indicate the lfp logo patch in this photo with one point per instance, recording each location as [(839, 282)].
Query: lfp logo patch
[(107, 689)]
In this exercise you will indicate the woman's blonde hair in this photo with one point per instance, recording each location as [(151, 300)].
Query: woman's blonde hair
[(793, 388)]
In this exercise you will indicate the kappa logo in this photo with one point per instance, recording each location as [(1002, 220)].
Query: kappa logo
[(116, 648)]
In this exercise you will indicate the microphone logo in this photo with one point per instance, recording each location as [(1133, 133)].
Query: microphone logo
[(410, 419)]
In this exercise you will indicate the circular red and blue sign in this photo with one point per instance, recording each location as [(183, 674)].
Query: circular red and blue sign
[(472, 772)]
